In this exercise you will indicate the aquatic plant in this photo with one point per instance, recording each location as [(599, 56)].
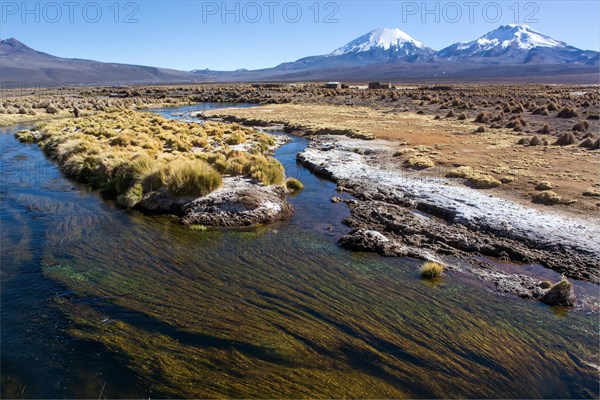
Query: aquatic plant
[(294, 184), (431, 270)]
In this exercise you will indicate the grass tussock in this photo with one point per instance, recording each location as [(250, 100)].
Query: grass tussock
[(420, 162), (431, 270), (476, 179), (190, 178), (463, 172), (294, 185), (560, 294), (581, 126), (590, 144), (591, 192), (537, 141), (547, 197), (568, 112), (483, 181), (545, 185), (565, 139), (25, 136), (130, 154)]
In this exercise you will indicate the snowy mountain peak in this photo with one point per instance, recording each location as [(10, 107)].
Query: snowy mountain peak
[(382, 39), (514, 36)]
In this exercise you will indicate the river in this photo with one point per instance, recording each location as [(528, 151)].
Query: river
[(102, 302)]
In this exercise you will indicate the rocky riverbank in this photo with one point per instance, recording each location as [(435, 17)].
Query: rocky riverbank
[(399, 213)]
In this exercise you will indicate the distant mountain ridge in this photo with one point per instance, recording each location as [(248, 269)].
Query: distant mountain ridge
[(22, 66), (507, 53), (508, 44)]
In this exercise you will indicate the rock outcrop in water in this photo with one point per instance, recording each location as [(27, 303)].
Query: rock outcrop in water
[(561, 294), (239, 203)]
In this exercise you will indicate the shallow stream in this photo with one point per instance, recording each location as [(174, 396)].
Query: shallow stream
[(102, 302)]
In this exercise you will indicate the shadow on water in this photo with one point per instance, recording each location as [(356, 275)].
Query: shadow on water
[(96, 297)]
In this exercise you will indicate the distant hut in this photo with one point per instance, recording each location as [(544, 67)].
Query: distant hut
[(377, 85), (333, 85), (267, 85)]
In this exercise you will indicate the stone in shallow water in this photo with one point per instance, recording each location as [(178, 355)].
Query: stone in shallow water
[(364, 240), (240, 202), (561, 294)]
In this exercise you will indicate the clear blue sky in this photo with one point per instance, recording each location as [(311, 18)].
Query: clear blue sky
[(201, 34)]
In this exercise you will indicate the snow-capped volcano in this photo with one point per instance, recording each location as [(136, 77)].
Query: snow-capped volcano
[(381, 45), (508, 44), (384, 40), (516, 43), (514, 36)]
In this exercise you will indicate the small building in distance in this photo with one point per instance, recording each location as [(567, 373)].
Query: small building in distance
[(333, 85), (267, 85), (377, 85)]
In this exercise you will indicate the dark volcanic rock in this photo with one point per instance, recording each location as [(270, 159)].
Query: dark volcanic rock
[(438, 236), (561, 294), (239, 203), (364, 240)]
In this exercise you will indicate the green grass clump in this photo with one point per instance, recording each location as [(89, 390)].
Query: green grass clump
[(483, 181), (132, 197), (547, 197), (25, 137), (266, 170), (431, 270), (420, 162), (294, 184), (191, 178)]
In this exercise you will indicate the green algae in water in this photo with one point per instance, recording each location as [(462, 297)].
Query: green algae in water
[(66, 273), (259, 318)]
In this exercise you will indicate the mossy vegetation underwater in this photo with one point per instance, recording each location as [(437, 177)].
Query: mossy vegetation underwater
[(277, 312)]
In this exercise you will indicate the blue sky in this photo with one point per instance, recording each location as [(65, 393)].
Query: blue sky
[(258, 34)]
